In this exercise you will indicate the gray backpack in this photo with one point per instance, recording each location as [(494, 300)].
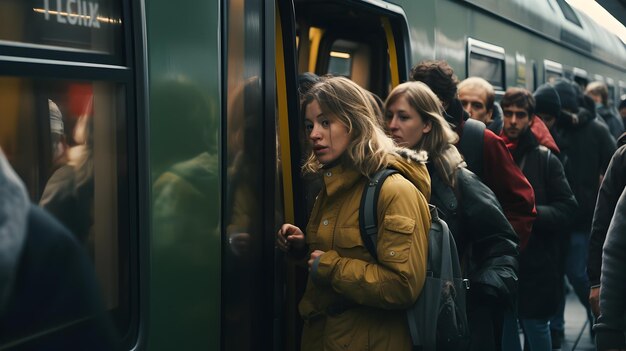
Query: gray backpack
[(437, 320)]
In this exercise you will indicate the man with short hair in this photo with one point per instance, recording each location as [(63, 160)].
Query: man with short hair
[(540, 282), (599, 92), (477, 97), (493, 163)]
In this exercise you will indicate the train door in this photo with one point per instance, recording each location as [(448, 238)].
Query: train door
[(366, 41)]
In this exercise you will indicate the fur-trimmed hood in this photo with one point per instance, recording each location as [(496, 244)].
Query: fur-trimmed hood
[(412, 165), (14, 207)]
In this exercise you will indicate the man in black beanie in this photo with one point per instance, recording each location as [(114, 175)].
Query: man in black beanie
[(548, 104), (587, 146)]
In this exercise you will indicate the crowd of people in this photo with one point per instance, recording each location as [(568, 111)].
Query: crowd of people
[(529, 187)]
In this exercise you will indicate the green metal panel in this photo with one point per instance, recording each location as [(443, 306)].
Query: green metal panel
[(184, 116)]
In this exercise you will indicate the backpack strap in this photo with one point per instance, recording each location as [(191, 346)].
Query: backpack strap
[(472, 144), (368, 213)]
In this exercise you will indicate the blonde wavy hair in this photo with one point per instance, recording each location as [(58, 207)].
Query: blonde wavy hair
[(439, 141), (344, 100)]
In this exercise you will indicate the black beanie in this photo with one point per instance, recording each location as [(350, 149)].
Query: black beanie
[(567, 94), (547, 100)]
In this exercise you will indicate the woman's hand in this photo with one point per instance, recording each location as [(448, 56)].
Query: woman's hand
[(289, 236), (314, 255)]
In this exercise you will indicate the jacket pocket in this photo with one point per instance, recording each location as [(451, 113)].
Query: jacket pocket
[(395, 241)]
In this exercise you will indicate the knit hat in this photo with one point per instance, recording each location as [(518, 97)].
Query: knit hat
[(547, 100), (567, 94)]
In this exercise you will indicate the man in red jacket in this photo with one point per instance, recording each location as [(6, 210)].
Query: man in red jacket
[(493, 164)]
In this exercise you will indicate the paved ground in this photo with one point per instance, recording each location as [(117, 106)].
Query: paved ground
[(576, 327)]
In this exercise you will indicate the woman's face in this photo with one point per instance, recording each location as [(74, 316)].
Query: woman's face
[(405, 125), (329, 138)]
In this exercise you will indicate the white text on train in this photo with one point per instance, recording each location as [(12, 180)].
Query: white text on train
[(75, 12)]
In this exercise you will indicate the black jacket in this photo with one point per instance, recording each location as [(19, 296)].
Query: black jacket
[(613, 122), (610, 190), (610, 328), (540, 286), (588, 147), (481, 232), (47, 282)]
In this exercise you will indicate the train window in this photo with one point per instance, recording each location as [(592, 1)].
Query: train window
[(622, 90), (610, 84), (486, 61), (580, 77), (93, 26), (342, 55), (568, 12), (531, 76), (552, 71), (67, 142)]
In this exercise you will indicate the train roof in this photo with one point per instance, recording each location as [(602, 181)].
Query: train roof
[(558, 21)]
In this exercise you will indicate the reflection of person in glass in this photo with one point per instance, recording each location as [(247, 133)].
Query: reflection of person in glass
[(69, 193), (57, 136), (354, 301), (46, 279), (185, 205)]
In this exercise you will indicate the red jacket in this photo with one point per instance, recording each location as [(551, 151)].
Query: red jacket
[(504, 178)]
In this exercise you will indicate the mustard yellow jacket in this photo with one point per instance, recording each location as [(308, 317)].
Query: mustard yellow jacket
[(352, 301)]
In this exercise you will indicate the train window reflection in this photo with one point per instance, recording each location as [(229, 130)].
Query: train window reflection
[(86, 25), (552, 71), (66, 141)]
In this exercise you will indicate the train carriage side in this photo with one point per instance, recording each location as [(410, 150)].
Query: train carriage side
[(531, 41)]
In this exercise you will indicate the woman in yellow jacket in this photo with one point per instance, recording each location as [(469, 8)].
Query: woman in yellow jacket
[(352, 301)]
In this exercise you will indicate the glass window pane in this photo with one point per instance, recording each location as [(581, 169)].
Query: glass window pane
[(66, 141), (489, 68), (242, 261), (94, 25)]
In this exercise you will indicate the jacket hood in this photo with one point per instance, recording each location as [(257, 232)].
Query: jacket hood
[(14, 207), (542, 133), (412, 165)]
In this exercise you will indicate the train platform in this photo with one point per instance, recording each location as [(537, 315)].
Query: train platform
[(577, 336)]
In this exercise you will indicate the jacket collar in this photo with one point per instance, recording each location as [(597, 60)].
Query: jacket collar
[(14, 207), (526, 142), (339, 178)]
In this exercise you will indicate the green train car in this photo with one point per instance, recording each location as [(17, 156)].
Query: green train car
[(194, 143)]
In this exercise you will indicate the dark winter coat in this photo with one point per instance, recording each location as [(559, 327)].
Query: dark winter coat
[(587, 146), (501, 175), (46, 279), (615, 124), (540, 285), (481, 231), (612, 186), (611, 328), (487, 246)]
